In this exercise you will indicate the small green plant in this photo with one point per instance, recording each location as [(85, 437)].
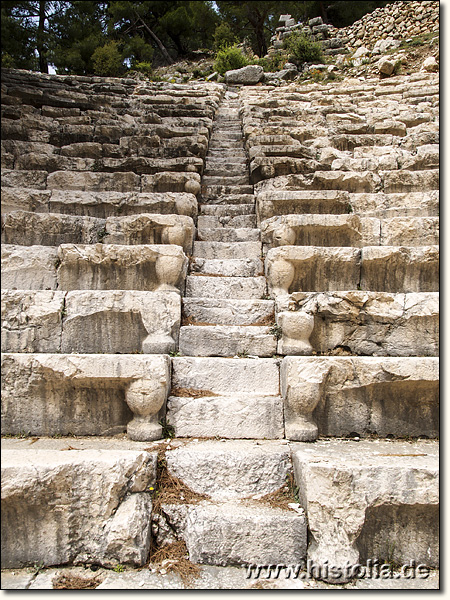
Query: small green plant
[(349, 208), (397, 67), (168, 431), (229, 58), (174, 353), (144, 67), (37, 568), (119, 568), (273, 63), (24, 434), (101, 234), (301, 49), (276, 331), (243, 354)]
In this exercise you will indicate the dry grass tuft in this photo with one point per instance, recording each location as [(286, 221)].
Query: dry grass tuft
[(174, 558), (283, 496), (190, 393), (69, 581)]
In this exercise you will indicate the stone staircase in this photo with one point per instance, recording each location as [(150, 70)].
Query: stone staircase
[(254, 272)]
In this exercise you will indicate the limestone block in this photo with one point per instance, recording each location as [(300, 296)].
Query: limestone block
[(283, 163), (410, 231), (400, 268), (188, 182), (82, 506), (234, 469), (301, 202), (247, 534), (29, 229), (210, 311), (342, 396), (370, 323), (227, 340), (228, 251), (309, 268), (24, 199), (31, 320), (250, 75), (350, 181), (24, 179), (110, 266), (369, 500), (410, 181), (244, 267), (29, 267), (94, 181), (151, 229), (412, 204), (199, 286), (427, 157), (48, 394), (121, 321), (111, 204), (320, 230)]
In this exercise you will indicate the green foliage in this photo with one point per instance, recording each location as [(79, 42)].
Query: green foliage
[(144, 67), (273, 63), (301, 49), (224, 37), (230, 58), (107, 60)]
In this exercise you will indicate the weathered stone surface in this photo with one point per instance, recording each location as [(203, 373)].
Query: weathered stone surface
[(411, 204), (223, 234), (342, 396), (301, 202), (400, 269), (28, 179), (121, 321), (372, 499), (82, 506), (227, 340), (243, 267), (188, 182), (48, 394), (309, 268), (233, 469), (249, 75), (110, 266), (29, 268), (151, 229), (320, 230), (247, 534), (369, 323), (18, 198), (225, 250), (410, 231), (31, 320), (244, 288), (210, 311), (94, 181)]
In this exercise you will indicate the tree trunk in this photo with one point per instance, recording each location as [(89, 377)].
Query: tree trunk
[(157, 40), (40, 39)]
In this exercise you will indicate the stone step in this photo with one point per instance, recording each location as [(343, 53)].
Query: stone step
[(224, 250), (219, 143), (226, 200), (359, 323), (243, 288), (245, 267), (402, 399), (221, 162), (227, 340), (226, 169), (276, 203), (225, 134), (83, 394), (250, 533), (393, 488), (48, 525), (225, 397), (228, 234), (231, 470), (226, 222), (229, 180), (216, 191), (226, 210), (214, 311), (90, 321), (226, 154)]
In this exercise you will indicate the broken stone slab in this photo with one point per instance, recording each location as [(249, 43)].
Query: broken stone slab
[(24, 199), (226, 250), (409, 204), (249, 533), (320, 230), (216, 311), (150, 229), (82, 506), (29, 229), (410, 231), (368, 323), (360, 396), (369, 500), (94, 181), (188, 182), (250, 75), (238, 267), (49, 394), (24, 179), (301, 202), (232, 469), (124, 321), (32, 320), (244, 288), (111, 266), (227, 340), (29, 267), (314, 269), (400, 268), (410, 181)]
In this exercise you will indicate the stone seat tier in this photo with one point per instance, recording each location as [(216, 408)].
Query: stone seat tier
[(90, 321), (95, 266), (234, 199), (226, 210), (230, 179)]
